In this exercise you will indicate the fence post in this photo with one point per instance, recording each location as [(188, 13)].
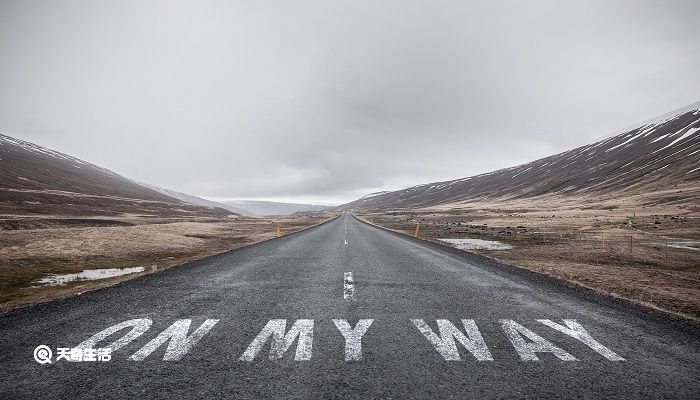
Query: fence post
[(630, 245)]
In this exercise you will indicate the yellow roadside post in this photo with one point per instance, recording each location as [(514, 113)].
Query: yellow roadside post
[(279, 233), (417, 230)]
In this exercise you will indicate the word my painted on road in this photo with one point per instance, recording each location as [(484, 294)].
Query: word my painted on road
[(276, 340)]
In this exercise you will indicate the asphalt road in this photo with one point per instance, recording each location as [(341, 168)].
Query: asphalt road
[(637, 353)]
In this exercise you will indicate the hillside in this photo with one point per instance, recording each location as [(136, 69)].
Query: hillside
[(260, 208), (192, 199), (656, 156), (36, 180)]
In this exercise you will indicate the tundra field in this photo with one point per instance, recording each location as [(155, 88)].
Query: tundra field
[(38, 254), (652, 258)]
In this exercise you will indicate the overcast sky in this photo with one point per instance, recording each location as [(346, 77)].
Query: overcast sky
[(328, 100)]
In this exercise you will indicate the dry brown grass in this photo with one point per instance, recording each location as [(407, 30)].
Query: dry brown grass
[(155, 244), (589, 247)]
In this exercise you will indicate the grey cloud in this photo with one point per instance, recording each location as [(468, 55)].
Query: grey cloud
[(329, 100)]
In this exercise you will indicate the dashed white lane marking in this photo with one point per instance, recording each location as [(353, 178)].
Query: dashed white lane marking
[(348, 286)]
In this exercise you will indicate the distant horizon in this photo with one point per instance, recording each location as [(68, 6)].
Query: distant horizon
[(277, 200), (321, 201), (690, 106)]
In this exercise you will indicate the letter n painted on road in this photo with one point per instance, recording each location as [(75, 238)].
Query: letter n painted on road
[(445, 343), (179, 343), (281, 341)]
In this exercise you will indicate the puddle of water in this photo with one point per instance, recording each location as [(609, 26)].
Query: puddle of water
[(686, 245), (678, 244), (87, 275), (478, 244)]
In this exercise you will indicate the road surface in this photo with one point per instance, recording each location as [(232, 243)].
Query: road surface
[(259, 322)]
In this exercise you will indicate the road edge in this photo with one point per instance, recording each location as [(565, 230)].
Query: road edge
[(141, 276), (591, 293)]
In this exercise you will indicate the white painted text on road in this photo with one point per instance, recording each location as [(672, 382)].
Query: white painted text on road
[(447, 340)]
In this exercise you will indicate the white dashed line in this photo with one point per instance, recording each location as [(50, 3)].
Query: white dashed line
[(348, 286)]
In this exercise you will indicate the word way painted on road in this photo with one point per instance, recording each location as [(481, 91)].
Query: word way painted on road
[(279, 336)]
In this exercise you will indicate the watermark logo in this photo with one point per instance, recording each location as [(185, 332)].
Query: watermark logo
[(43, 354), (78, 354)]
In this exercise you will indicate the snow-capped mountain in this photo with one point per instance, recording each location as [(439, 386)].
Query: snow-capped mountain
[(371, 195), (37, 180), (658, 154)]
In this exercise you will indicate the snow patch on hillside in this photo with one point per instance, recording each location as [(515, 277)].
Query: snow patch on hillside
[(36, 149)]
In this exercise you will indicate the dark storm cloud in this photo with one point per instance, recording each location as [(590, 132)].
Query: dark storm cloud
[(331, 100)]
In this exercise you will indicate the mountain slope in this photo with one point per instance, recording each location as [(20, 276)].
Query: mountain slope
[(192, 199), (657, 155), (37, 180), (254, 207)]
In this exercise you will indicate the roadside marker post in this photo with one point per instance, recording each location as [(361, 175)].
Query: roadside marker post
[(630, 245), (417, 230), (279, 233)]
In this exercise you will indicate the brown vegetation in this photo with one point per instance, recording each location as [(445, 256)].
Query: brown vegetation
[(35, 247), (633, 254)]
